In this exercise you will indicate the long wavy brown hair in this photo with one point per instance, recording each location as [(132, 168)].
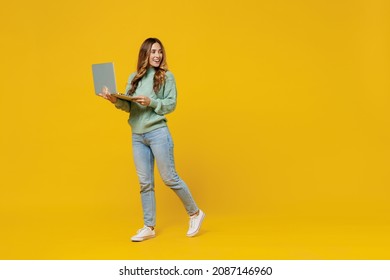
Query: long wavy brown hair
[(143, 65)]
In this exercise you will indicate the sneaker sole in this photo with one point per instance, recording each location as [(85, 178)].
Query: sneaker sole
[(200, 224), (142, 239)]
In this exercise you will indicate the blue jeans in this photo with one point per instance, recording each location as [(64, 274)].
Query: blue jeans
[(148, 147)]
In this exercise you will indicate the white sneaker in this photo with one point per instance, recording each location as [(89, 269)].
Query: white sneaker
[(195, 223), (143, 234)]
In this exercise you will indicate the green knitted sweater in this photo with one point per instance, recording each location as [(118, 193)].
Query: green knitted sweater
[(143, 119)]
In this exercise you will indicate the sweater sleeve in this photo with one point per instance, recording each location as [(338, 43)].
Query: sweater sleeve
[(123, 105), (167, 103)]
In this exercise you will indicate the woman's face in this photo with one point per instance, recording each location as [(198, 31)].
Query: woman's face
[(156, 55)]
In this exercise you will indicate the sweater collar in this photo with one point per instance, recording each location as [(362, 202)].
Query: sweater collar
[(150, 71)]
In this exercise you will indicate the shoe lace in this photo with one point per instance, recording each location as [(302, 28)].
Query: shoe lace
[(192, 221), (143, 229)]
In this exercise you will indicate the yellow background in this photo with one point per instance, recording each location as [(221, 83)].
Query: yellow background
[(281, 129)]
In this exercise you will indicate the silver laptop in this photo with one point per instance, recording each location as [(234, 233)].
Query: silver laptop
[(104, 77)]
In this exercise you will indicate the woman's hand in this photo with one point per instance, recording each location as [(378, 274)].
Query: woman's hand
[(142, 100), (109, 97), (106, 95)]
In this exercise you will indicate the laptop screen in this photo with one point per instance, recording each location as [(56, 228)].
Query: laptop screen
[(104, 77)]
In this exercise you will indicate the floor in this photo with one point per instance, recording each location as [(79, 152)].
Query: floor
[(94, 235)]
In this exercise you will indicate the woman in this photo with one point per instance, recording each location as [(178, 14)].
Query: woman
[(154, 90)]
